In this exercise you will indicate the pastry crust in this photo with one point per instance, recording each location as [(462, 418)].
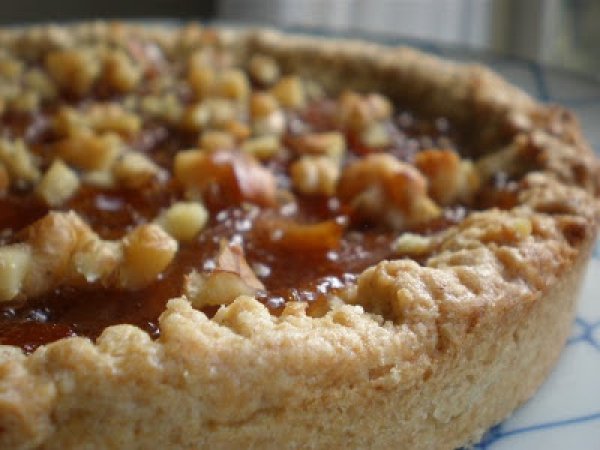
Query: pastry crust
[(422, 356)]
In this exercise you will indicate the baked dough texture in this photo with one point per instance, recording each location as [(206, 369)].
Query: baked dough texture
[(423, 355)]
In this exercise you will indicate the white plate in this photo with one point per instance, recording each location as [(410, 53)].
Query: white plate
[(565, 412)]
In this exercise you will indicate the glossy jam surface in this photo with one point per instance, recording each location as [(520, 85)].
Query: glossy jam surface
[(289, 271)]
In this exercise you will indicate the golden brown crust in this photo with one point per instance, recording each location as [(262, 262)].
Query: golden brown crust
[(423, 355)]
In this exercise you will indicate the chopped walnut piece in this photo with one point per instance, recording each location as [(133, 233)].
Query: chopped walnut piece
[(103, 179), (412, 244), (97, 260), (134, 170), (10, 67), (231, 259), (262, 104), (183, 220), (120, 73), (74, 70), (195, 117), (68, 121), (331, 144), (28, 101), (220, 112), (263, 69), (212, 140), (450, 179), (165, 107), (315, 175), (58, 184), (376, 136), (62, 250), (18, 161), (356, 111), (53, 240), (266, 116), (147, 251), (89, 151), (38, 81), (273, 124), (231, 278), (201, 78), (239, 130), (262, 147), (237, 176), (233, 84), (289, 91), (104, 117), (14, 263), (380, 187)]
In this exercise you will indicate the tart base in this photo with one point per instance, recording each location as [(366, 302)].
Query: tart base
[(429, 357)]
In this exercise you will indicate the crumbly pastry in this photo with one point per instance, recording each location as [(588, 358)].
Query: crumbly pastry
[(244, 239)]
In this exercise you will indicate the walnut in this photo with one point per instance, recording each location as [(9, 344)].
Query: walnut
[(74, 70), (380, 187), (10, 67), (412, 244), (262, 104), (58, 184), (239, 130), (88, 151), (356, 111), (183, 220), (290, 93), (38, 81), (450, 179), (96, 260), (195, 117), (134, 170), (216, 140), (237, 176), (220, 112), (201, 77), (266, 116), (231, 278), (120, 73), (18, 161), (331, 144), (14, 263), (166, 107), (262, 147), (28, 101), (53, 240), (315, 175), (233, 84), (376, 136), (263, 69), (147, 251), (273, 124), (68, 121), (62, 250), (111, 117)]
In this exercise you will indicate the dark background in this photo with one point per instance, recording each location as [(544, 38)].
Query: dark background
[(28, 11)]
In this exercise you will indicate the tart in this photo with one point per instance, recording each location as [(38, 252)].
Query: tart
[(216, 238)]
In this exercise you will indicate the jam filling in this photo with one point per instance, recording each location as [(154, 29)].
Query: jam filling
[(299, 269), (288, 272)]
